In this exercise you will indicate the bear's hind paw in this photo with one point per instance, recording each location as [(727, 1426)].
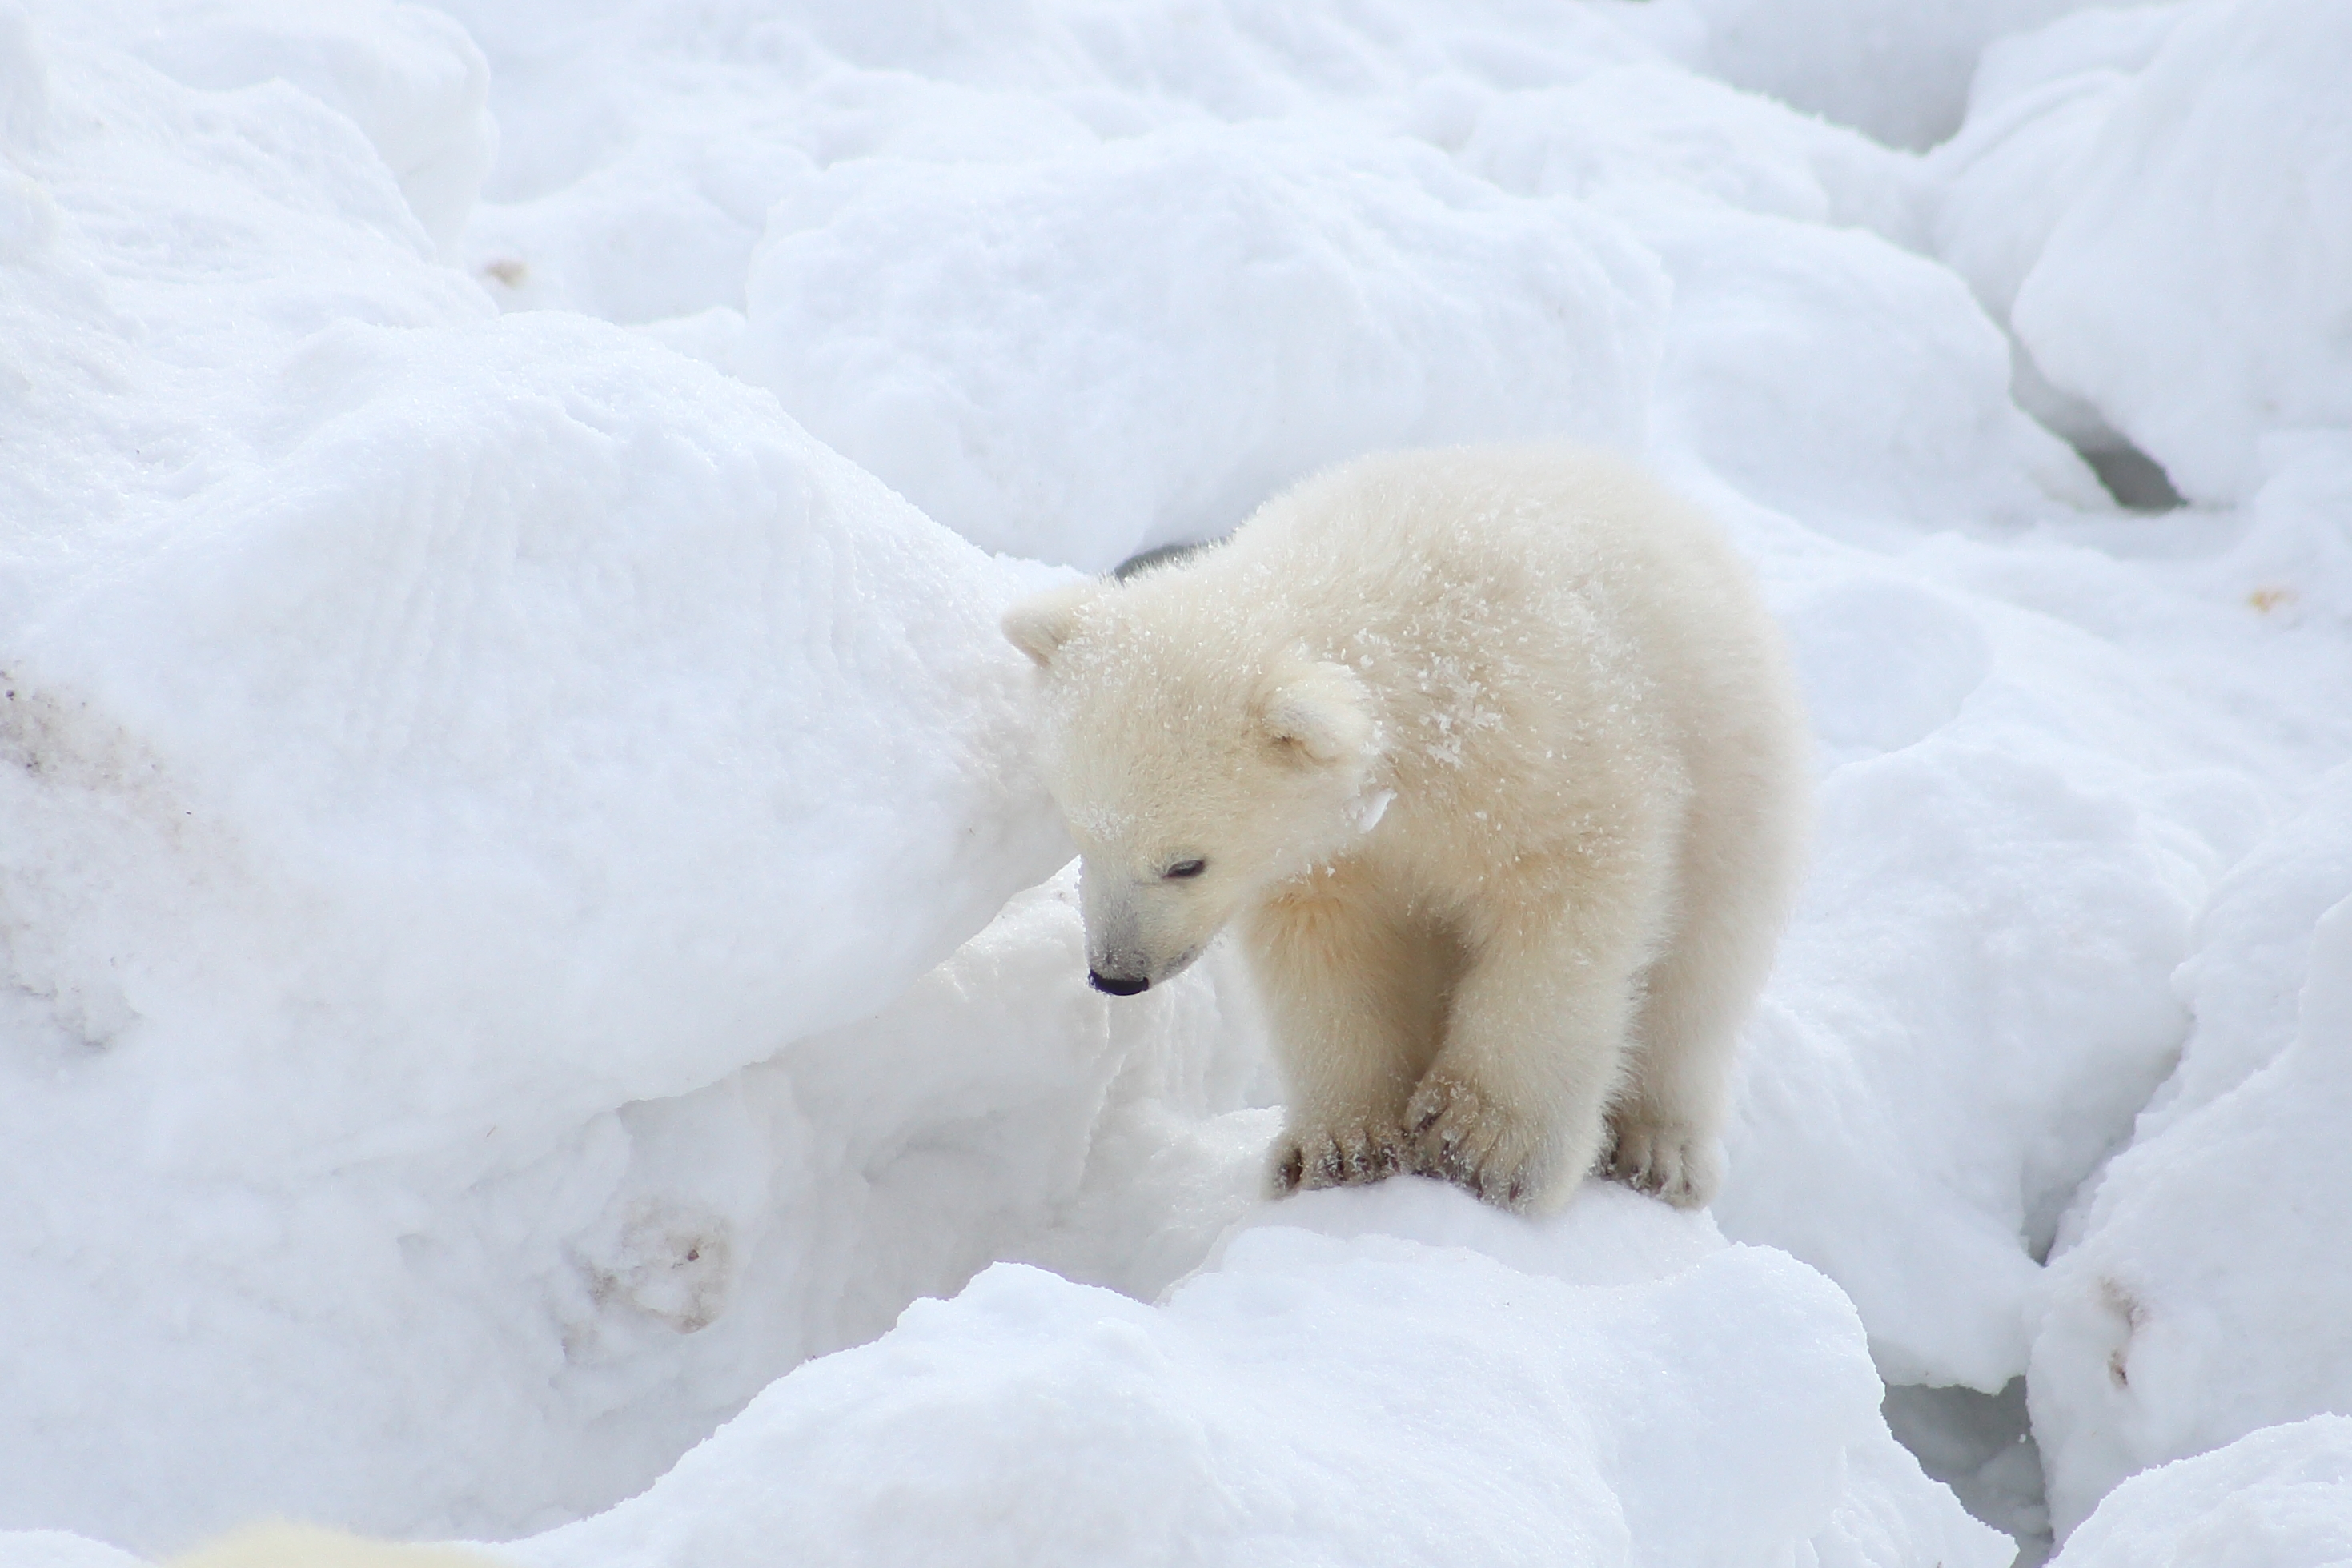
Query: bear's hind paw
[(1668, 1161)]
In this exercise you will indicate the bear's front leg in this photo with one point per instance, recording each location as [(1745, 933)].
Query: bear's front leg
[(1355, 999), (1513, 1107)]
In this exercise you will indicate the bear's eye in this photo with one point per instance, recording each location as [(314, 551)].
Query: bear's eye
[(1184, 869)]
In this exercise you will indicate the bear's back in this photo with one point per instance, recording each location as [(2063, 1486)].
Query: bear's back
[(1520, 610)]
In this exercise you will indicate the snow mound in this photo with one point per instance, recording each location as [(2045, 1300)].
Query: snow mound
[(2252, 953), (426, 734), (1897, 69), (2195, 285), (2197, 1307), (2279, 1498), (1636, 135), (2036, 106), (1784, 242), (638, 193), (408, 77), (1907, 422), (566, 770), (1987, 883), (1000, 1108), (1209, 314), (1358, 1379)]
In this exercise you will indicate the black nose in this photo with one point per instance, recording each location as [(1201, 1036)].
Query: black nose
[(1117, 985)]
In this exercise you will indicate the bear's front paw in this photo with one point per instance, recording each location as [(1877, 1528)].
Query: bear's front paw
[(1667, 1160), (1347, 1155), (1460, 1135)]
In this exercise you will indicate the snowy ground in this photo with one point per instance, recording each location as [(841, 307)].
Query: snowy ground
[(503, 511)]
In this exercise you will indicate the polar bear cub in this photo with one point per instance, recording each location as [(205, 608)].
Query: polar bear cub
[(1496, 758)]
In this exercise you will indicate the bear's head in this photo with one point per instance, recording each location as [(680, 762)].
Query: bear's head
[(1199, 759)]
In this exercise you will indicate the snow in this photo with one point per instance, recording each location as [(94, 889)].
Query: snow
[(2177, 251), (408, 77), (985, 338), (441, 732), (1897, 69), (2281, 1497), (2195, 1310), (530, 943), (1270, 1408)]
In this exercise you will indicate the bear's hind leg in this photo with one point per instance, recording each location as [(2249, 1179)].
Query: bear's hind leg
[(1742, 859), (1356, 995), (1666, 1129)]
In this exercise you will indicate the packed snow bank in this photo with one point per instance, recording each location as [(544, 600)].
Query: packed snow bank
[(2161, 204), (551, 701), (1393, 1375), (426, 734), (2279, 1498), (2206, 1297)]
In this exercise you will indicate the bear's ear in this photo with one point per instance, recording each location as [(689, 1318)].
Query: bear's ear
[(1039, 626), (1321, 712)]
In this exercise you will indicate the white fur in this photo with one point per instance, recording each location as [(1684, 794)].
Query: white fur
[(1496, 756)]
